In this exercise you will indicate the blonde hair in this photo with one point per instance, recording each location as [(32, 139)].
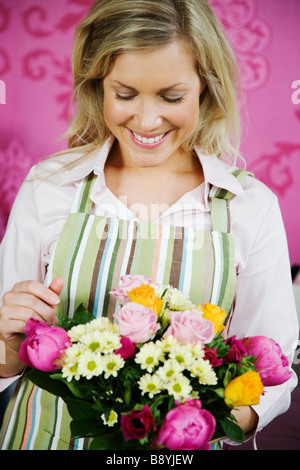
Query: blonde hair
[(115, 26)]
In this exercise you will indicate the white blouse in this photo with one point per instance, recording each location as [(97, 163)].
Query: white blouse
[(264, 302)]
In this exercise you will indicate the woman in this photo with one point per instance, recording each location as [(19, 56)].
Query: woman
[(144, 190)]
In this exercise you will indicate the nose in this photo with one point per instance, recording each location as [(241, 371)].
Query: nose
[(147, 116)]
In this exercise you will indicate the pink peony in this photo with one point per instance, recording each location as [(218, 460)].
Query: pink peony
[(137, 322), (138, 423), (187, 427), (189, 327), (127, 350), (272, 365), (128, 283), (43, 346)]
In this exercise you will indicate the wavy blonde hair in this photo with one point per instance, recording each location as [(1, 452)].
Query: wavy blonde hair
[(114, 27)]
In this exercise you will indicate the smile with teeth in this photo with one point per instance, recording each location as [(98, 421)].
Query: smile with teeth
[(151, 140)]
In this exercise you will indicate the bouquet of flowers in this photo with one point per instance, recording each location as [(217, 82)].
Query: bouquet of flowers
[(160, 375)]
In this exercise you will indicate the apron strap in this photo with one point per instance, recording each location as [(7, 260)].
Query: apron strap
[(219, 203), (82, 201)]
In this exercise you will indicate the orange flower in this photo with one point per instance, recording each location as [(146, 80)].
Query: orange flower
[(214, 314), (244, 390), (145, 295)]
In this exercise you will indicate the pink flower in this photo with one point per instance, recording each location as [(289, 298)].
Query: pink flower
[(190, 327), (137, 322), (236, 351), (210, 354), (138, 423), (43, 346), (187, 427), (127, 350), (128, 283), (272, 365)]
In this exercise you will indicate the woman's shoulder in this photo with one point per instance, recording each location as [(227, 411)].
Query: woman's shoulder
[(55, 167), (257, 190)]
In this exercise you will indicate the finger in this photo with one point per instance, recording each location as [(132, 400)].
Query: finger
[(57, 285), (14, 320), (34, 304), (37, 289)]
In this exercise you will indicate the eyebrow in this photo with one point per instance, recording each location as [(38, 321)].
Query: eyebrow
[(163, 90)]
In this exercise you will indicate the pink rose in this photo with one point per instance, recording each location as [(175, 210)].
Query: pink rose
[(43, 346), (236, 350), (210, 354), (128, 283), (137, 322), (272, 365), (137, 424), (187, 427), (127, 350), (190, 327)]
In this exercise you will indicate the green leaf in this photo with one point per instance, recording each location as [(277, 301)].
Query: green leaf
[(105, 442), (219, 392), (44, 381), (81, 410), (71, 385), (233, 431), (227, 378), (80, 317), (85, 428)]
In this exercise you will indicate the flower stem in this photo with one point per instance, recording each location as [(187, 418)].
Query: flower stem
[(127, 395)]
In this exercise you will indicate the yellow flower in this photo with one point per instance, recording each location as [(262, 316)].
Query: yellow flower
[(244, 390), (145, 295), (112, 419), (214, 314)]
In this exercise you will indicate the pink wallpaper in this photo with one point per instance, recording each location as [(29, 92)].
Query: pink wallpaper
[(35, 87)]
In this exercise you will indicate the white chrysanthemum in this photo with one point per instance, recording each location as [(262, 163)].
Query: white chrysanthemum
[(102, 324), (169, 370), (76, 332), (70, 372), (71, 358), (158, 289), (203, 370), (166, 344), (91, 340), (112, 419), (71, 354), (101, 341), (112, 363), (150, 384), (110, 341), (182, 354), (149, 356), (197, 350), (179, 387), (177, 300), (90, 364)]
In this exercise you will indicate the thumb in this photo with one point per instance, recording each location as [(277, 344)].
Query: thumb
[(57, 285)]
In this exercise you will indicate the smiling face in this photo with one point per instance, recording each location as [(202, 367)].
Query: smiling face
[(151, 104)]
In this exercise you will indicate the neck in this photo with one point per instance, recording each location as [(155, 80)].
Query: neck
[(181, 162)]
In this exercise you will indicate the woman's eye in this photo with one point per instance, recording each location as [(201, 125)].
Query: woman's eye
[(124, 97), (167, 99), (177, 99)]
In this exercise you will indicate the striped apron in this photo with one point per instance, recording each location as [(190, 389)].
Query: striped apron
[(92, 253)]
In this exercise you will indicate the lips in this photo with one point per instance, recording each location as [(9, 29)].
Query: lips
[(148, 140)]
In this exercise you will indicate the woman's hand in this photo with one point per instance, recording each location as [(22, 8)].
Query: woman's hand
[(27, 299), (247, 418)]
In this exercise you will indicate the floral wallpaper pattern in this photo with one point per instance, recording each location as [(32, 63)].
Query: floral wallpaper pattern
[(36, 86)]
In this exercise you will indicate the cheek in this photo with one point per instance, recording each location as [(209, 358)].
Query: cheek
[(113, 113), (187, 118)]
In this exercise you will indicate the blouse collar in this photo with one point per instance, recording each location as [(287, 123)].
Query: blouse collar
[(216, 172)]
